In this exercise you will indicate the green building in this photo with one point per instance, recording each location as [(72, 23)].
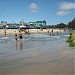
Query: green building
[(38, 24)]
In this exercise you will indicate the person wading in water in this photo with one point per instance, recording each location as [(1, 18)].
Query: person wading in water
[(20, 35), (16, 36), (21, 43)]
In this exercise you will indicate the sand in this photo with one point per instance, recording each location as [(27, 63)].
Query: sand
[(32, 31)]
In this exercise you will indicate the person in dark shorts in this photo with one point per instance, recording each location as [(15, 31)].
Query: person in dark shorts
[(20, 34)]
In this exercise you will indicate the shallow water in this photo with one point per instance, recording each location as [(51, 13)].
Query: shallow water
[(36, 54), (9, 44)]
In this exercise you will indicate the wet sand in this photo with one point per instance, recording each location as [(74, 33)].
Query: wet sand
[(47, 59)]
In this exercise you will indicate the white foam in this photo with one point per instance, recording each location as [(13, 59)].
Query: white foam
[(40, 36), (55, 37), (5, 38), (66, 35)]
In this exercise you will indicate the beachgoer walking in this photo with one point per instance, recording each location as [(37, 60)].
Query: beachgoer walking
[(52, 30), (5, 32), (48, 31)]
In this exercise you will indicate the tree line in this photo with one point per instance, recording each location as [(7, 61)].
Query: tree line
[(70, 25)]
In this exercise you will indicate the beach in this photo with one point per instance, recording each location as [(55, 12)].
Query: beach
[(32, 31), (40, 54), (37, 37)]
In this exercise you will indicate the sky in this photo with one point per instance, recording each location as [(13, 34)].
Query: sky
[(53, 11)]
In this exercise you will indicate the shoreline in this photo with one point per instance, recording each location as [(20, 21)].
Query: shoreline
[(32, 31)]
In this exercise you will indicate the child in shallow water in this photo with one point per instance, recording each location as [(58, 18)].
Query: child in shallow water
[(16, 36)]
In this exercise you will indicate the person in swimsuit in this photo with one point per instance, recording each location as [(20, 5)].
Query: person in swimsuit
[(20, 34), (16, 36)]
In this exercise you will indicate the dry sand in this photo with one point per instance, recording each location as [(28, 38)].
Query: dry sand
[(35, 31)]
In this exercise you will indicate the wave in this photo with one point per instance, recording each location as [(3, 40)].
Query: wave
[(4, 38)]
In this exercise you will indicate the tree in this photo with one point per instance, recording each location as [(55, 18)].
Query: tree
[(71, 24), (61, 25)]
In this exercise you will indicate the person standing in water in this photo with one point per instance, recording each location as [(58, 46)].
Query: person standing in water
[(21, 43), (52, 30), (20, 35)]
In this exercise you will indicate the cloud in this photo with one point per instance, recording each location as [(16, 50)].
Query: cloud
[(67, 6), (62, 13), (33, 7)]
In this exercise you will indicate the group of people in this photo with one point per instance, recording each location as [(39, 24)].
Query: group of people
[(53, 33), (16, 35), (20, 35)]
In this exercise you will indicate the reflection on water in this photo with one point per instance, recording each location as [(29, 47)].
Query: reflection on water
[(21, 44), (16, 45)]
